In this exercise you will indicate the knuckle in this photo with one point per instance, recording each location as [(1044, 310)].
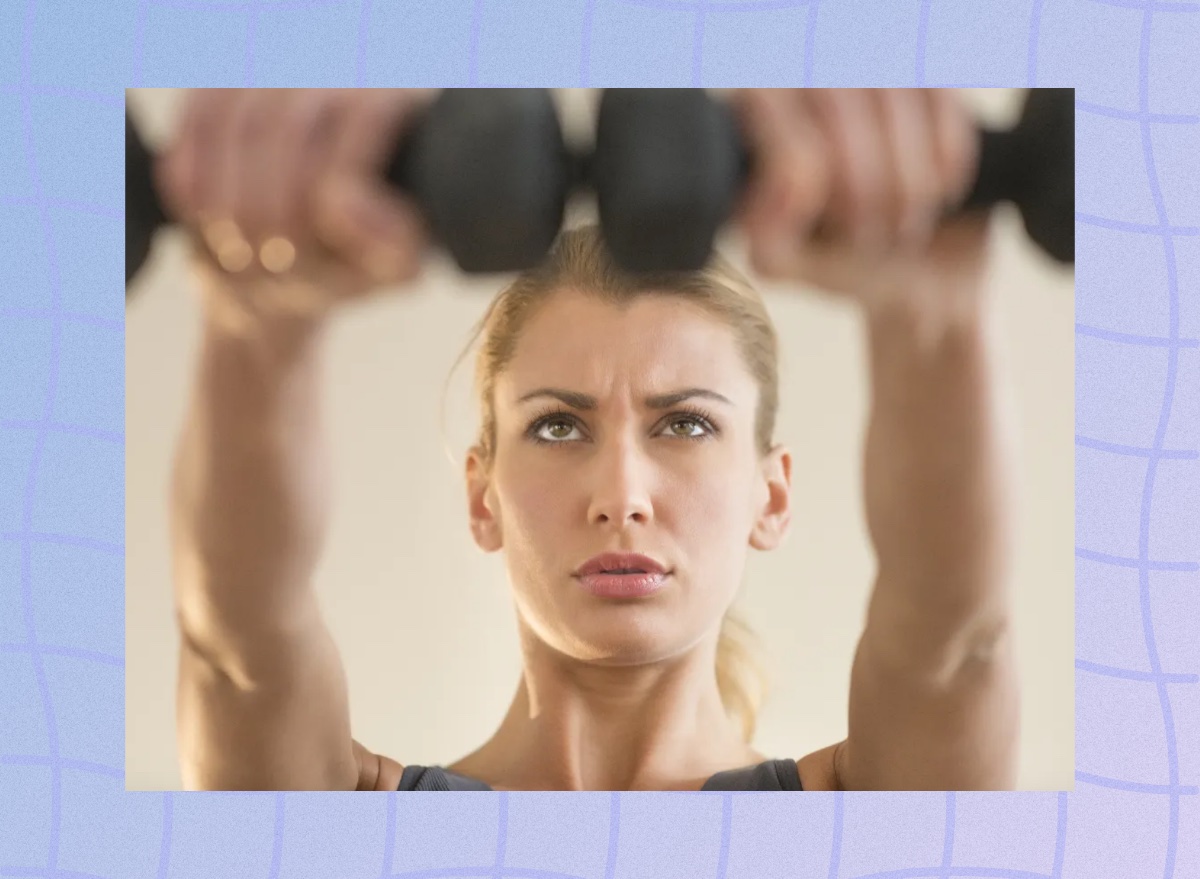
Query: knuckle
[(304, 113), (252, 117), (858, 200), (960, 165), (368, 123), (326, 207), (957, 139), (205, 104)]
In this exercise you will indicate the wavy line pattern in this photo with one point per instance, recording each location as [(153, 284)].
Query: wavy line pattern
[(1110, 825)]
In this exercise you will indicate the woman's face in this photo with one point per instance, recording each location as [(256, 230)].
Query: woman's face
[(611, 474)]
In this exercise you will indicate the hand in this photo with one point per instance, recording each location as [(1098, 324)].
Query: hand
[(282, 193), (851, 190)]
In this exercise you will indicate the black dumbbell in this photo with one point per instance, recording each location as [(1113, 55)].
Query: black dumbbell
[(669, 165), (488, 168)]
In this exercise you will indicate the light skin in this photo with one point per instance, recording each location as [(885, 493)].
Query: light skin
[(622, 695), (851, 202), (847, 199)]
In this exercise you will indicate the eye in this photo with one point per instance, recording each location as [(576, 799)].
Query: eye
[(552, 423), (685, 420), (559, 424)]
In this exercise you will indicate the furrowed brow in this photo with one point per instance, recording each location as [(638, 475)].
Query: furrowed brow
[(576, 400)]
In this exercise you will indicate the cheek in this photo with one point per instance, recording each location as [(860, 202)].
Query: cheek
[(535, 501), (715, 523), (711, 505)]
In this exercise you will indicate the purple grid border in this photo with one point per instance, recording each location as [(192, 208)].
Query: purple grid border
[(63, 810)]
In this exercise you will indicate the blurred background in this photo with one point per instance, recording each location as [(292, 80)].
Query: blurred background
[(450, 647)]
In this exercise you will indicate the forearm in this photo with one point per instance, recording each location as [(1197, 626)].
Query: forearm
[(250, 489), (937, 482)]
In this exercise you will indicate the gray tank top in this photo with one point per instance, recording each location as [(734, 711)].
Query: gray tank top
[(769, 775)]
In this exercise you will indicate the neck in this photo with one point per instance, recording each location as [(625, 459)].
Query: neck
[(576, 725)]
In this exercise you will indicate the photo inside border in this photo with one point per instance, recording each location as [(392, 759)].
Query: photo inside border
[(1154, 805)]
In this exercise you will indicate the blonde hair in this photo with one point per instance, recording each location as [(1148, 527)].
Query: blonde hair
[(579, 260)]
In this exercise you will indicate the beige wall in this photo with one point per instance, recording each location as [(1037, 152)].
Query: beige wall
[(423, 617)]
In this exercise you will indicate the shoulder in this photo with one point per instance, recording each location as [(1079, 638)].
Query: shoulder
[(375, 772), (820, 769)]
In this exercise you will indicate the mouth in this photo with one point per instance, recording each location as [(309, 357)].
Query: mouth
[(621, 563), (624, 583)]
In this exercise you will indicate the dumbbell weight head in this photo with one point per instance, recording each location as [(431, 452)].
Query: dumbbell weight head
[(143, 211), (666, 168), (491, 173), (1033, 166), (1047, 128)]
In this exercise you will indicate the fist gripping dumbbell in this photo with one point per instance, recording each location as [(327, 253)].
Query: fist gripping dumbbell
[(669, 164), (488, 168), (492, 173)]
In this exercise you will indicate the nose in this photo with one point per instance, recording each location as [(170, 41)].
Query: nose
[(621, 480)]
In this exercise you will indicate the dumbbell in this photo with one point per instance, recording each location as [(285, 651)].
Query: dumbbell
[(669, 165), (488, 168), (491, 173)]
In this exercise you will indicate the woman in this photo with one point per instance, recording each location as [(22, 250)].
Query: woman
[(576, 459)]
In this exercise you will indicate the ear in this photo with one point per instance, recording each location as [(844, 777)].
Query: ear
[(774, 514), (485, 527)]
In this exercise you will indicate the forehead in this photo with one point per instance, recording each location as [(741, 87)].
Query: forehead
[(653, 343)]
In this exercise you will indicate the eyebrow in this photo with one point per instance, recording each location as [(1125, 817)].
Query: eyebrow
[(577, 400)]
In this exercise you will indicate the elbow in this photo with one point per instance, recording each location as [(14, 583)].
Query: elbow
[(938, 636), (975, 652), (984, 640), (943, 658)]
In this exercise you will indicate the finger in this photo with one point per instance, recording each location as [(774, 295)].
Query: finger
[(211, 126), (357, 212), (371, 126), (299, 136), (188, 167), (252, 161), (915, 190), (221, 224), (859, 167), (371, 229), (173, 168), (312, 118), (789, 188), (956, 143)]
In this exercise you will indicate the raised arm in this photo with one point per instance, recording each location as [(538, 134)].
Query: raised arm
[(279, 191), (933, 690), (262, 699), (849, 198)]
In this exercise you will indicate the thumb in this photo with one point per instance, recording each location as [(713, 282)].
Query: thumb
[(371, 227)]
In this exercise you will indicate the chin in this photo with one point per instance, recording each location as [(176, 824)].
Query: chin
[(623, 633)]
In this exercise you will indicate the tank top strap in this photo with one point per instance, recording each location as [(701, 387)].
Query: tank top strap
[(436, 778), (770, 775)]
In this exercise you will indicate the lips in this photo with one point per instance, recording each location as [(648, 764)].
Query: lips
[(625, 562), (623, 586)]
